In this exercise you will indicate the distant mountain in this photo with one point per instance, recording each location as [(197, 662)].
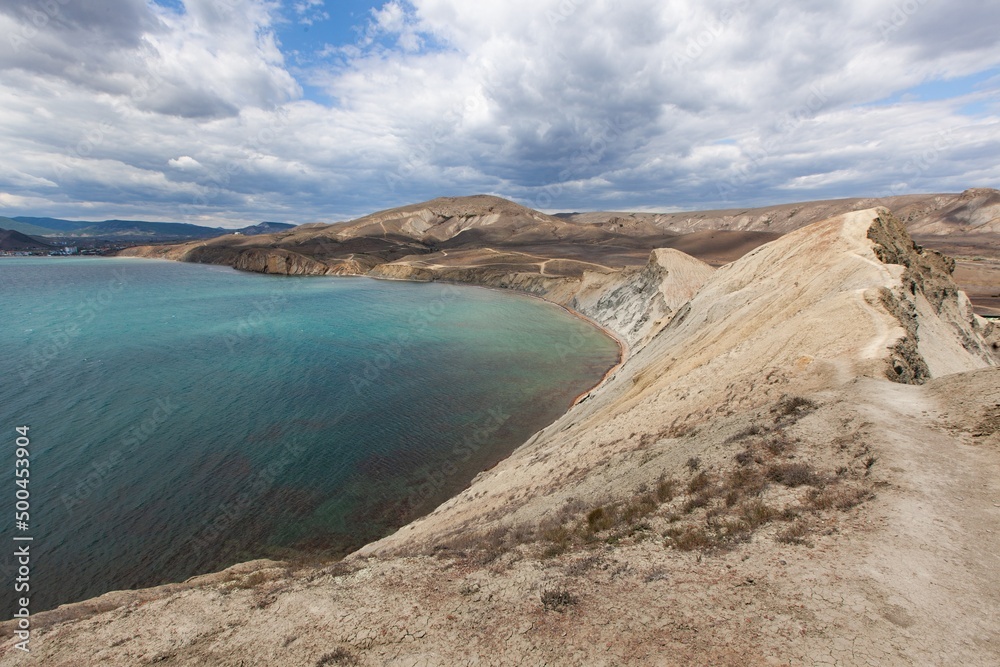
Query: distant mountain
[(130, 230), (17, 225), (12, 240), (138, 230), (263, 228), (52, 224)]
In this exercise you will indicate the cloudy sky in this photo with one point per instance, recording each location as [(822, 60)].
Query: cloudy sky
[(233, 111)]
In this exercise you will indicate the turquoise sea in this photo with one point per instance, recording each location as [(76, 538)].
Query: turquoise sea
[(185, 417)]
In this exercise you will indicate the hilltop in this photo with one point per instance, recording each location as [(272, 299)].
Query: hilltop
[(11, 240), (488, 240), (797, 463), (455, 232)]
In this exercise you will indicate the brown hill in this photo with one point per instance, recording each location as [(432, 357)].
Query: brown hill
[(797, 463), (11, 241), (487, 239), (452, 231), (974, 211)]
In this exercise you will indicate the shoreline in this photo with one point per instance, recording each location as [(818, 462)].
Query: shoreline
[(131, 594), (623, 348)]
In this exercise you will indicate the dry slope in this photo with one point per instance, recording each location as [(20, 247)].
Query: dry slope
[(764, 481)]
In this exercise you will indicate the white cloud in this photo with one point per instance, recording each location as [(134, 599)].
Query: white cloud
[(310, 12), (558, 103), (184, 162)]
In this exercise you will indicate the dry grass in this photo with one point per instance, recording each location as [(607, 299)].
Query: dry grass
[(252, 580), (699, 482), (794, 534), (558, 600), (750, 431), (794, 474), (666, 489), (338, 656), (691, 539), (714, 510), (756, 513), (639, 507), (793, 407), (841, 497)]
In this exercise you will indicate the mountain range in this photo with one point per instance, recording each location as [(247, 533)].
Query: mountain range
[(128, 230)]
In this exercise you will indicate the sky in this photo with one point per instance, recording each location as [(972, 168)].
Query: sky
[(230, 112)]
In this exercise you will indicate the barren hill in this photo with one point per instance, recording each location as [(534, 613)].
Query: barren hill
[(12, 240), (974, 211), (964, 226), (486, 239), (453, 232), (798, 463)]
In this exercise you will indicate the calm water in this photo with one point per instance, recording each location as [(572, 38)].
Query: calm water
[(186, 417)]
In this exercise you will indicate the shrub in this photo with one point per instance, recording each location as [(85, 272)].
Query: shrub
[(735, 529), (793, 406), (746, 480), (584, 565), (252, 580), (693, 463), (778, 443), (794, 534), (841, 497), (691, 539), (338, 656), (755, 513), (752, 430), (699, 482), (793, 474), (599, 519), (666, 489), (558, 600), (558, 538), (638, 508), (696, 501)]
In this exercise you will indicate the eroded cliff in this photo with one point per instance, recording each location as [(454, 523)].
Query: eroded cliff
[(758, 483)]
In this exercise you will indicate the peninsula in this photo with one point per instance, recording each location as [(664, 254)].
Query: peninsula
[(798, 461)]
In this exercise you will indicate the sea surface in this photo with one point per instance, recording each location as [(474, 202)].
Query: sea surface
[(186, 417)]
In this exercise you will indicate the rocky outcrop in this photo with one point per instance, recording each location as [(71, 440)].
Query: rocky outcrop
[(804, 313), (633, 303), (942, 334), (279, 262), (724, 365), (638, 304)]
